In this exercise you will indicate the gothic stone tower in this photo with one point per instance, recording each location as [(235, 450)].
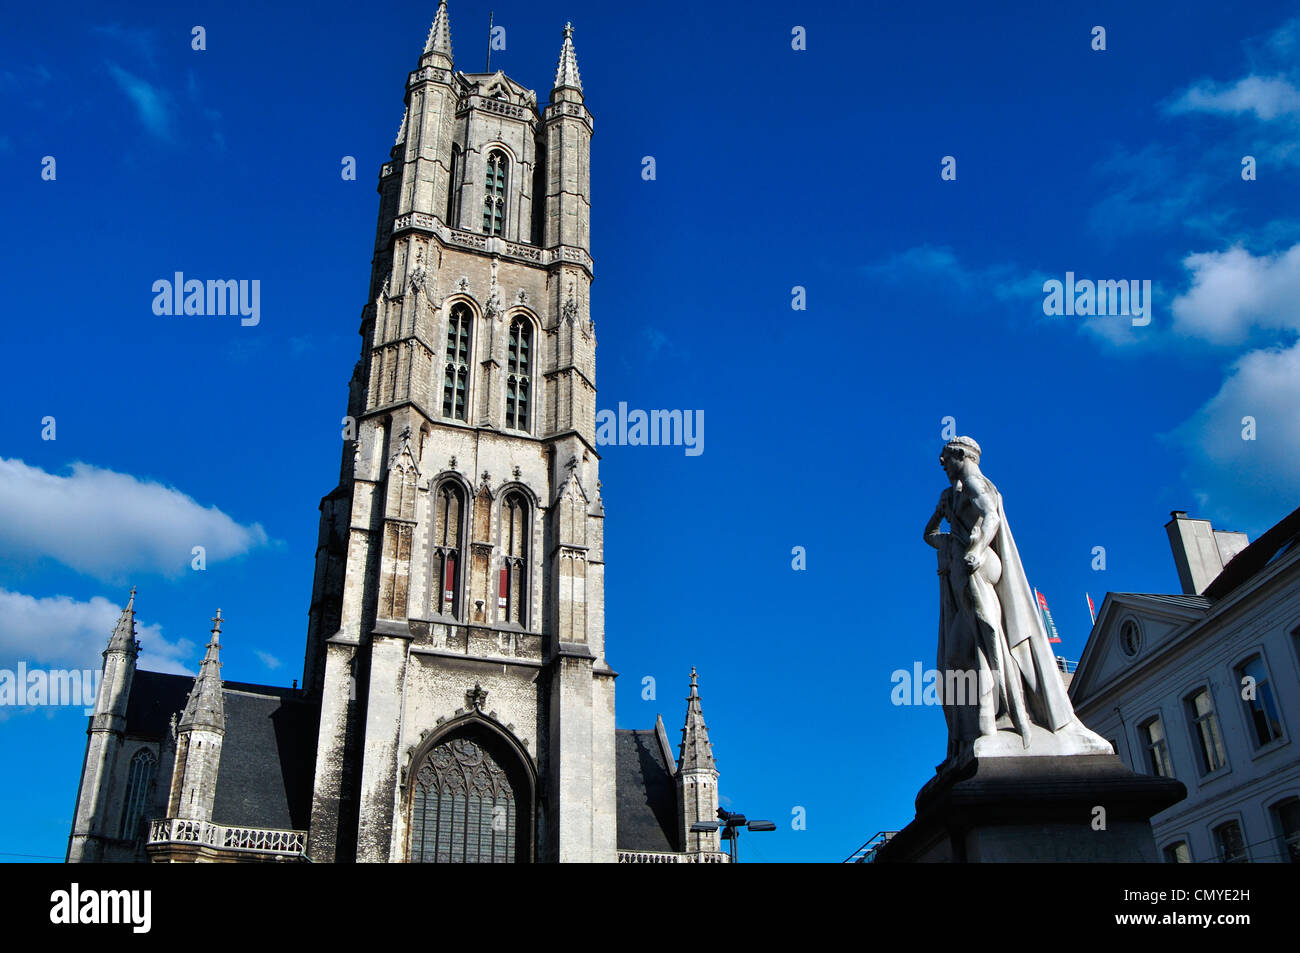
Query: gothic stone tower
[(456, 628)]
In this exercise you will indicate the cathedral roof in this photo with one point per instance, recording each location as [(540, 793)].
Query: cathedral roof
[(647, 793), (268, 753)]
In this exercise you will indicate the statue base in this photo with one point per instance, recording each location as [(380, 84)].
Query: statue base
[(1036, 809)]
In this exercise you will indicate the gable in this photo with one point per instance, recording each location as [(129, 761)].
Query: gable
[(1161, 621)]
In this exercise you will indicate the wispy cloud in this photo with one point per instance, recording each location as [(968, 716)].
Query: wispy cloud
[(1265, 97), (152, 104), (267, 659), (59, 631), (1004, 282), (111, 525)]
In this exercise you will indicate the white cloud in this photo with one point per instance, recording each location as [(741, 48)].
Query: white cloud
[(267, 659), (109, 525), (60, 632), (1252, 482), (1233, 292), (1267, 97)]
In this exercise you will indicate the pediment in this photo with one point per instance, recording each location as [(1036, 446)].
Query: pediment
[(1160, 620)]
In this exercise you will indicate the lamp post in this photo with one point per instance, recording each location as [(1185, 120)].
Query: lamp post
[(730, 825)]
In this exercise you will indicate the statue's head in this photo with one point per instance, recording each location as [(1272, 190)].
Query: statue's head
[(957, 452)]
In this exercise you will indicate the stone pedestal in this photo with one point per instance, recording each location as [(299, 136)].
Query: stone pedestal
[(1035, 809)]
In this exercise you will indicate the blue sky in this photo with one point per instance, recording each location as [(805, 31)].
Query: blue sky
[(776, 168)]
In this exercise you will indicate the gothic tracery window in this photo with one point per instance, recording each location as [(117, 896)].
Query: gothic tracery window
[(455, 385), (519, 373), (512, 596), (139, 781), (494, 195), (464, 808), (448, 556)]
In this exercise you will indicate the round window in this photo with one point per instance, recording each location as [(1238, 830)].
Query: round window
[(1130, 637)]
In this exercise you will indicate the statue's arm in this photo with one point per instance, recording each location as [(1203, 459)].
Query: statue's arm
[(985, 526), (933, 537)]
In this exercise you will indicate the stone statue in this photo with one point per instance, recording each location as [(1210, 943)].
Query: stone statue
[(1002, 692)]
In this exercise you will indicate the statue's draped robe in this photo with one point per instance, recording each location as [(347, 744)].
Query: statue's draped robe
[(989, 623)]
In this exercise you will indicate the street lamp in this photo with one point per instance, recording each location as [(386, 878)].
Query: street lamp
[(730, 825)]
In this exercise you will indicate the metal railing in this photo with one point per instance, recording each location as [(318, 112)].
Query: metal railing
[(867, 852)]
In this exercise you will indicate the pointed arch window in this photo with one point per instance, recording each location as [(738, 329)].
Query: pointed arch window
[(139, 781), (519, 362), (455, 384), (466, 808), (494, 195), (512, 594), (453, 186), (448, 548)]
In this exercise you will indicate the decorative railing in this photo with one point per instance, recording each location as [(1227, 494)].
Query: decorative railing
[(258, 840), (663, 857), (490, 243)]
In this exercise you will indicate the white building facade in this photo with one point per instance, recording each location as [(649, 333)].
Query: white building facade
[(1204, 686)]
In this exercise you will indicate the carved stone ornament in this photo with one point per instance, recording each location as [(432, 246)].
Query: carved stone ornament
[(476, 698)]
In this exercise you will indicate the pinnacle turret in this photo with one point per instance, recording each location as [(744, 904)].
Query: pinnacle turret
[(439, 40), (123, 638), (206, 707), (566, 71), (696, 751)]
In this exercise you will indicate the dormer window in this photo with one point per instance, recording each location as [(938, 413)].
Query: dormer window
[(494, 196)]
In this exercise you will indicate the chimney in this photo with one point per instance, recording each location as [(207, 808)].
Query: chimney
[(1200, 551)]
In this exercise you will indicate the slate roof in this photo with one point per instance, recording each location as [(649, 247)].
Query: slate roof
[(1278, 539), (1188, 602), (268, 756), (647, 794)]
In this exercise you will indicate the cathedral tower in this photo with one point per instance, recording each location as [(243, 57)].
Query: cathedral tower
[(456, 627)]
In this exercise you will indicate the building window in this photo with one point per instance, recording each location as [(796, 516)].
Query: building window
[(1153, 739), (1231, 843), (512, 596), (465, 809), (1178, 853), (138, 783), (494, 196), (1262, 716), (448, 536), (519, 373), (455, 384), (1286, 815), (1206, 737), (453, 187), (1130, 638)]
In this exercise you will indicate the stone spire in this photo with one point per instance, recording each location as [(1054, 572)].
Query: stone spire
[(439, 40), (696, 752), (566, 72), (123, 638), (206, 708)]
